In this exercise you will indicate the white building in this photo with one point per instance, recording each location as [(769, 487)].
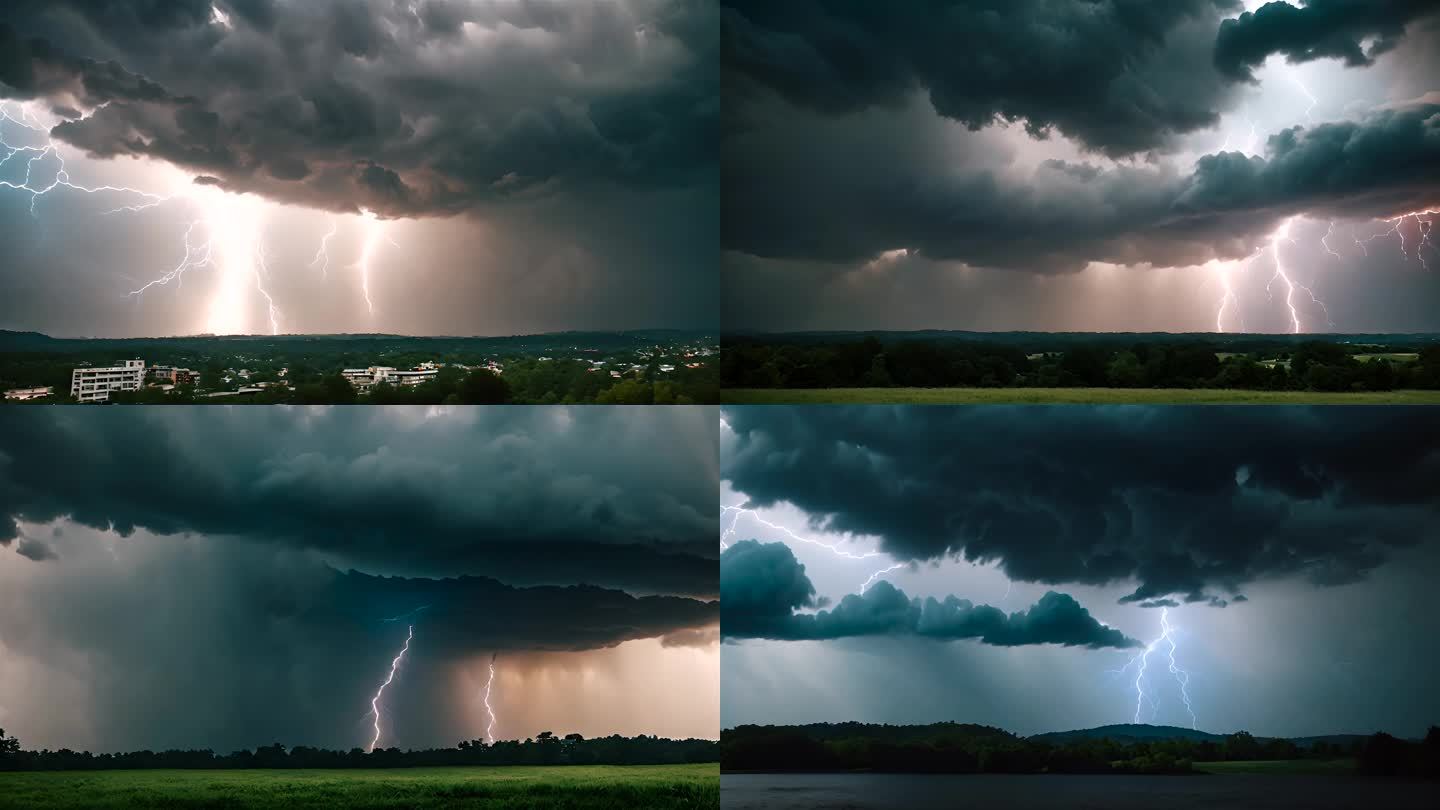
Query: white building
[(364, 378), (38, 392), (95, 384)]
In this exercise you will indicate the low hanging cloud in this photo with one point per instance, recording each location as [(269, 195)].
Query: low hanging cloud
[(530, 496), (762, 586), (406, 110), (1120, 77), (1188, 504), (1316, 29), (1382, 166)]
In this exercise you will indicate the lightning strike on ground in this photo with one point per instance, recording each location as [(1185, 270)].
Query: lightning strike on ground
[(490, 711), (1141, 662), (375, 701)]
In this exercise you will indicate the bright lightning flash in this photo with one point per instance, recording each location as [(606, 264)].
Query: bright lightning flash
[(737, 512), (489, 710), (1141, 662), (375, 701)]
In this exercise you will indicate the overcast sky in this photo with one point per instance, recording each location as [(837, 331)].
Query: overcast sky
[(1195, 165), (226, 578), (1292, 550), (421, 166)]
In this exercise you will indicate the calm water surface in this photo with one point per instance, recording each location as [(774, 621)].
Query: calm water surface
[(925, 792)]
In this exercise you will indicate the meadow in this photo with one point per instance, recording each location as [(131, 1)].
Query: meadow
[(503, 787), (1064, 396)]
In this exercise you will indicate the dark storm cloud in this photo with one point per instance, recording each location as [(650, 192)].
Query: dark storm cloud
[(1121, 77), (467, 615), (762, 585), (1192, 503), (225, 643), (434, 109), (1317, 29), (33, 68), (615, 497), (853, 196)]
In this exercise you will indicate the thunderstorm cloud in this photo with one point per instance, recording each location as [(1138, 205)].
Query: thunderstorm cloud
[(870, 152), (233, 577), (1175, 504)]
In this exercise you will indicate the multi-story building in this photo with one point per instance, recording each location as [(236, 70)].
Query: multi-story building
[(364, 378), (95, 384), (172, 375)]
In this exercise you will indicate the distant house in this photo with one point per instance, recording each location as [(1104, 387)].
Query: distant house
[(38, 392)]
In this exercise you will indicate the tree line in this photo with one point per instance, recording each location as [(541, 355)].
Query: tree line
[(964, 749), (543, 749), (870, 363)]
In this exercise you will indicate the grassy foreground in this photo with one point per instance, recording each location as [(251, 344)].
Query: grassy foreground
[(576, 786), (1291, 766), (1058, 396)]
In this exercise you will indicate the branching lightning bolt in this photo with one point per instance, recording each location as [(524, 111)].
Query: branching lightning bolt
[(62, 175), (324, 252), (489, 710), (1283, 232), (737, 512), (1141, 661), (375, 701)]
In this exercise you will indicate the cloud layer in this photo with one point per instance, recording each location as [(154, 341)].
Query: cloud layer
[(528, 495), (1189, 503), (404, 109), (762, 586)]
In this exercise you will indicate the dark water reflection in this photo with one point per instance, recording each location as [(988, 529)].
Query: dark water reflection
[(926, 792)]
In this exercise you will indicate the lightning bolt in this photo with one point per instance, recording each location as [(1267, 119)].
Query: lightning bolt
[(737, 512), (324, 251), (61, 178), (1283, 232), (375, 701), (1141, 661), (229, 223), (489, 710), (374, 230), (1425, 226)]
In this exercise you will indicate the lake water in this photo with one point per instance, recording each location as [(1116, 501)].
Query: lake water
[(925, 792)]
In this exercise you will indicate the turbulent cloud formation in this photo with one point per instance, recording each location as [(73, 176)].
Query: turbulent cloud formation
[(1317, 29), (529, 495), (403, 109), (762, 585), (1385, 165), (1190, 503), (228, 578), (877, 159), (1122, 77)]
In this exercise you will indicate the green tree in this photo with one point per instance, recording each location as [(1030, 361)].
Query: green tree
[(483, 387)]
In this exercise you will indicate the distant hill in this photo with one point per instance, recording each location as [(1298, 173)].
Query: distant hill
[(1130, 733), (1056, 341), (885, 731)]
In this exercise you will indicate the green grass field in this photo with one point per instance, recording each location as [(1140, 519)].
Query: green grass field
[(1270, 766), (1058, 396), (580, 786)]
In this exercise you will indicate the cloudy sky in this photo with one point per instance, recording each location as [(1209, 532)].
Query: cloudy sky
[(1005, 565), (1194, 165), (412, 166), (226, 578)]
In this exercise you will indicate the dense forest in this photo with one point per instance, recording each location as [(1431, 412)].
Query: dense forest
[(544, 749), (963, 748), (1074, 362)]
